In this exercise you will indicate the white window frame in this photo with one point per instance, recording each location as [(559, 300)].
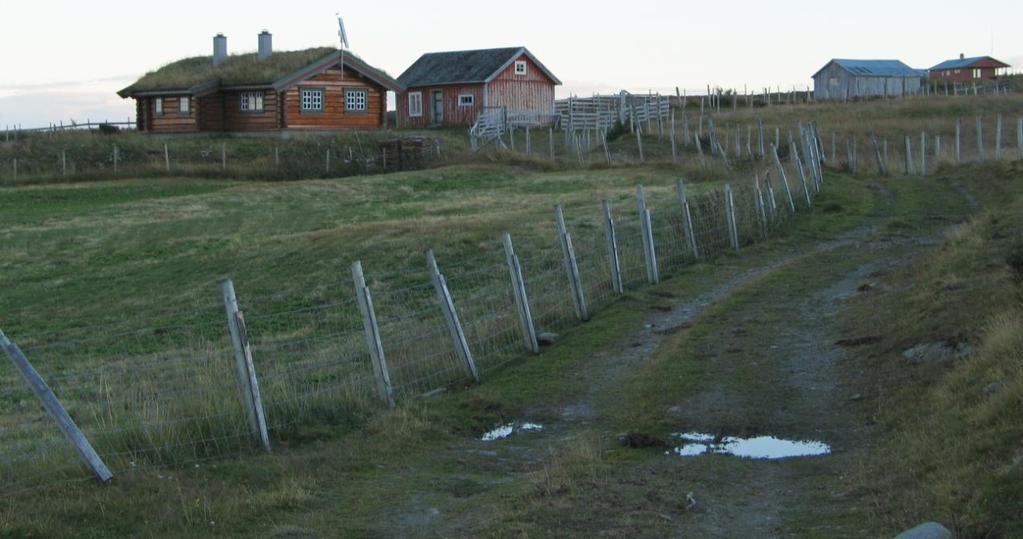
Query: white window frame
[(415, 104), (158, 106), (185, 105), (312, 99), (251, 102), (977, 72), (466, 100), (521, 67), (356, 99)]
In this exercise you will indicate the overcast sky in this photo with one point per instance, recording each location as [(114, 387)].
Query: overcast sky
[(63, 59)]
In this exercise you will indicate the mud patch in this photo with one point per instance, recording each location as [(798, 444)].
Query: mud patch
[(760, 447)]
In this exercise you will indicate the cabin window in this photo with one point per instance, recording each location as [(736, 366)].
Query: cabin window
[(158, 105), (466, 100), (415, 104), (976, 73), (355, 101), (251, 102), (185, 105), (312, 100), (520, 67)]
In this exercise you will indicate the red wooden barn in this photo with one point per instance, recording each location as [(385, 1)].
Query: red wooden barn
[(969, 69), (454, 88), (319, 89)]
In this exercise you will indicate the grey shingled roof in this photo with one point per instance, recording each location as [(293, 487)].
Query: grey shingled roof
[(463, 67)]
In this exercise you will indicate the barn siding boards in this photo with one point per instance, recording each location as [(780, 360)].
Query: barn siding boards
[(493, 84), (835, 82), (454, 114)]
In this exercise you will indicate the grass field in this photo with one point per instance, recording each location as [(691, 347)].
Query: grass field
[(99, 274)]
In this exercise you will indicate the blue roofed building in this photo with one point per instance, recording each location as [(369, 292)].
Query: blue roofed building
[(963, 69), (856, 79)]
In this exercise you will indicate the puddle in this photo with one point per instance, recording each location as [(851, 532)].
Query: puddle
[(760, 447), (501, 432)]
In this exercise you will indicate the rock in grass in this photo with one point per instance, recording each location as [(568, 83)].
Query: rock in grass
[(547, 339), (928, 530), (639, 440)]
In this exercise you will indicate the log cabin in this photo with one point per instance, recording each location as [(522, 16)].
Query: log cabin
[(454, 88), (311, 89)]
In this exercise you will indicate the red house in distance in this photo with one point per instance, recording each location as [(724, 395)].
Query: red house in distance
[(455, 88), (964, 69)]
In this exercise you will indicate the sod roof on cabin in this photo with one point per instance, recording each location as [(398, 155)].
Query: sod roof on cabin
[(191, 74)]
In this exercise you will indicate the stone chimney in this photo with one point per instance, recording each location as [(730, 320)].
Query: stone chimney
[(265, 45), (219, 49)]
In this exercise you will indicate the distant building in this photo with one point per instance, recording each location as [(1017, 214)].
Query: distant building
[(320, 89), (852, 79), (978, 68), (455, 88)]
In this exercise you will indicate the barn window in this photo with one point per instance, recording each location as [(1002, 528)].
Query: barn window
[(520, 67), (158, 105), (312, 100), (465, 100), (976, 73), (833, 81), (251, 102), (415, 104), (185, 105), (355, 100)]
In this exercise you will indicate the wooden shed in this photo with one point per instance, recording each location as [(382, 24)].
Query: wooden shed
[(853, 79), (455, 88), (319, 88), (978, 68)]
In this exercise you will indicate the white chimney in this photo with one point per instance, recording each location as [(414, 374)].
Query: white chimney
[(265, 45), (219, 49)]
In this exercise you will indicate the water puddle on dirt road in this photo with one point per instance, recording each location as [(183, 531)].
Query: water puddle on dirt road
[(501, 432), (760, 447)]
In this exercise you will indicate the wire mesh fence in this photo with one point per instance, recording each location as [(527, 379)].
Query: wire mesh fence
[(174, 394)]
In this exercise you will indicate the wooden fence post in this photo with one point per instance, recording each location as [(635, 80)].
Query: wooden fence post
[(166, 157), (882, 168), (923, 153), (521, 298), (784, 178), (639, 144), (607, 152), (761, 210), (447, 306), (733, 229), (1019, 137), (614, 260), (277, 157), (262, 433), (116, 157), (958, 140), (223, 156), (63, 163), (674, 151), (802, 175), (376, 348), (571, 267), (15, 169), (326, 167), (909, 156), (760, 128), (239, 344), (687, 217), (699, 148), (550, 140), (980, 136), (56, 410), (649, 250), (529, 143), (998, 136)]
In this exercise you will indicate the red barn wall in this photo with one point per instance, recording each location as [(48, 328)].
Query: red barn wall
[(454, 114), (532, 92), (988, 67)]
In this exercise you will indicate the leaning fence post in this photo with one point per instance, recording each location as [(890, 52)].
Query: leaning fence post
[(373, 342), (166, 157), (240, 363), (521, 298), (687, 217), (733, 230), (882, 169), (447, 306), (761, 210), (614, 261), (784, 178), (802, 174), (649, 251), (56, 410), (253, 382), (980, 138), (571, 267)]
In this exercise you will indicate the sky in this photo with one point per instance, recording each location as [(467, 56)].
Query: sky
[(63, 60)]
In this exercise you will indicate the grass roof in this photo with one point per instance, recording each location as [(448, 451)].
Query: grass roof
[(236, 70)]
